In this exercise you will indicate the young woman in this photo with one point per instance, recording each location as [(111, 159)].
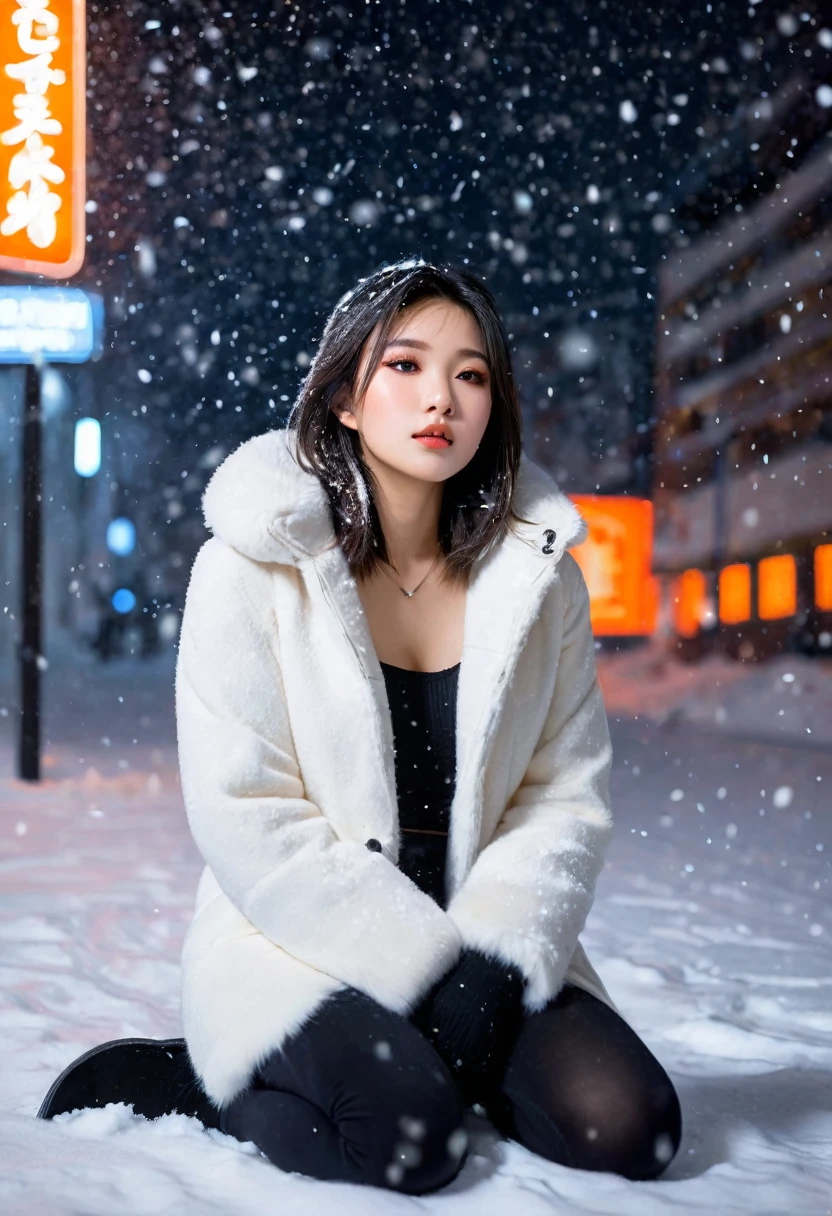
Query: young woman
[(395, 763)]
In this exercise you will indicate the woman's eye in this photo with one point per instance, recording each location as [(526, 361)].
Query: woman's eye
[(406, 365)]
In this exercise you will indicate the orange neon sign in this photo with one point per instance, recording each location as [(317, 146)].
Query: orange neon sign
[(42, 136), (616, 562)]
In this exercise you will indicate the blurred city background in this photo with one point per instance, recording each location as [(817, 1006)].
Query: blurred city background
[(648, 197)]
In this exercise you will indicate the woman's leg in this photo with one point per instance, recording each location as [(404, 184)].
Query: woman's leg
[(357, 1095), (582, 1089)]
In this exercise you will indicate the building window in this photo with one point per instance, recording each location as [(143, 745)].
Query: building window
[(689, 596), (735, 593), (823, 578), (777, 587)]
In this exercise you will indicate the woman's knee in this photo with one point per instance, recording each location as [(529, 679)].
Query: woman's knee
[(402, 1129), (583, 1090), (393, 1115), (635, 1134), (640, 1139), (663, 1133), (421, 1142)]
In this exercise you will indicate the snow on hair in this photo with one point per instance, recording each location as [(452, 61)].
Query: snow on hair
[(477, 506)]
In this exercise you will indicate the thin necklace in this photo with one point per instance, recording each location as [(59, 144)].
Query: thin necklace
[(418, 585)]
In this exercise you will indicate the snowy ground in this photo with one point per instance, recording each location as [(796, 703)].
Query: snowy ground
[(711, 928), (787, 699)]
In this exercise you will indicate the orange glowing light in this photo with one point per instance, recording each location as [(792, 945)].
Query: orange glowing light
[(42, 136), (734, 594), (689, 597), (776, 587), (615, 560), (823, 578)]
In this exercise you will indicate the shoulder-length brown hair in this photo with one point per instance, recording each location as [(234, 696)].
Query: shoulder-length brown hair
[(477, 502)]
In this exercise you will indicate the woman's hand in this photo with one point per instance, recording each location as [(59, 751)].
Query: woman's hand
[(472, 1017)]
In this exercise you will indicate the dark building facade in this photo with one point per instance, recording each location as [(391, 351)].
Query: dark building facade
[(742, 479)]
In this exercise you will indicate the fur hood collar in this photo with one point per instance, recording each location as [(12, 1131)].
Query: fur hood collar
[(262, 503)]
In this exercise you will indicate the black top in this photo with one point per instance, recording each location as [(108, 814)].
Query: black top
[(423, 712)]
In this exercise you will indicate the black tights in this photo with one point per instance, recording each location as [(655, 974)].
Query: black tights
[(359, 1095)]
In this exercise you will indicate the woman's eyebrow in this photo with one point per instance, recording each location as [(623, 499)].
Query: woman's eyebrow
[(417, 342)]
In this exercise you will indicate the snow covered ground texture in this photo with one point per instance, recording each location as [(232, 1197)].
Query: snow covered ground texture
[(786, 699), (711, 928)]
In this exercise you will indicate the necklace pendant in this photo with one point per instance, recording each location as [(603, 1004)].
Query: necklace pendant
[(409, 594)]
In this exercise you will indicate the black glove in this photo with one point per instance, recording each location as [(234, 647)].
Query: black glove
[(472, 1017)]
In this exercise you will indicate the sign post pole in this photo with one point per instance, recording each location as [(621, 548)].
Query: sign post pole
[(31, 581), (40, 325), (43, 90)]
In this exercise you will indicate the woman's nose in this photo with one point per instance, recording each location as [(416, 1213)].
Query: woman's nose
[(439, 393)]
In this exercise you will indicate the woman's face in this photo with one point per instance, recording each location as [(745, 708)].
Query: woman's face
[(432, 373)]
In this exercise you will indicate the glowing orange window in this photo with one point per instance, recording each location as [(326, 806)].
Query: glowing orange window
[(777, 587), (735, 593), (823, 578), (689, 591)]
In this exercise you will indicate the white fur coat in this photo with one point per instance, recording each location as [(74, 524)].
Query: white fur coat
[(286, 757)]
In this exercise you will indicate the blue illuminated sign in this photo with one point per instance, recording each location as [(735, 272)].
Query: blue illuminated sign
[(121, 536), (123, 600), (87, 446), (57, 324)]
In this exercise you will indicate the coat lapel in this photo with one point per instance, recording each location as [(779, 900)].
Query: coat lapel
[(503, 601)]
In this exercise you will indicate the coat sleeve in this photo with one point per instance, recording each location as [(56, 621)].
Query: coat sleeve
[(331, 903), (529, 892)]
